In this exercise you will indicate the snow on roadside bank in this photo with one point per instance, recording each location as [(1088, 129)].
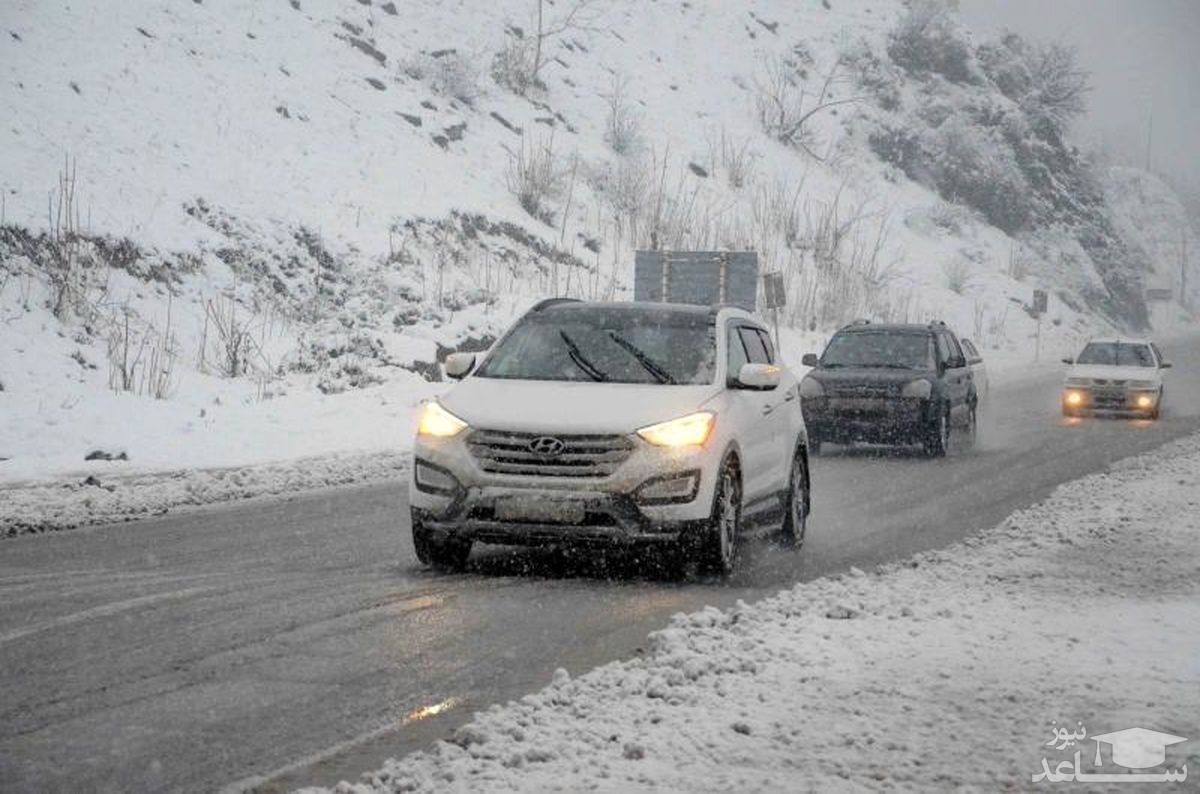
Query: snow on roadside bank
[(101, 499), (943, 670)]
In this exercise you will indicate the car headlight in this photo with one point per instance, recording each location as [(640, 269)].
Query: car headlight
[(436, 421), (811, 387), (920, 389), (1079, 381), (691, 430)]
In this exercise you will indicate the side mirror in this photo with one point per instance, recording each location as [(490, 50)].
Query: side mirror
[(759, 377), (1166, 365), (810, 360), (1068, 361), (459, 365)]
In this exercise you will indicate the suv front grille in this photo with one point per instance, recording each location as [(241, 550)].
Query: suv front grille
[(503, 452)]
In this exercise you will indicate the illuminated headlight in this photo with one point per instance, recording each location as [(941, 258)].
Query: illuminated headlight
[(1145, 401), (811, 387), (434, 479), (920, 389), (673, 488), (1079, 381), (1074, 397), (691, 430), (437, 422)]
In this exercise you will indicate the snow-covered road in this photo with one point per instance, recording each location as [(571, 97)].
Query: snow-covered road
[(945, 670), (300, 636)]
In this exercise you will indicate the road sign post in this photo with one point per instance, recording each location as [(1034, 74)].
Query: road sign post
[(774, 297), (1041, 302)]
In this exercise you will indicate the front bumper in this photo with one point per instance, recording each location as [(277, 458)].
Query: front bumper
[(1111, 400), (469, 503), (882, 420)]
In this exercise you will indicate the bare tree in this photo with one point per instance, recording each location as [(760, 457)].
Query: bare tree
[(785, 107), (519, 65), (1059, 86), (622, 128)]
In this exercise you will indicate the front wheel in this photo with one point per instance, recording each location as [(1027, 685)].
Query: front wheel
[(937, 435), (445, 555), (973, 427), (795, 517), (719, 539)]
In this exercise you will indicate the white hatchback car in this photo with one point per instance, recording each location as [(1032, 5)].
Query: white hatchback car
[(1120, 376), (613, 423)]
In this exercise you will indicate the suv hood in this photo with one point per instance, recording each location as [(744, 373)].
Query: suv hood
[(1111, 372), (569, 406), (882, 378)]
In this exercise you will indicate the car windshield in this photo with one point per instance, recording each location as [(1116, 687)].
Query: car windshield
[(887, 350), (1119, 354), (607, 345)]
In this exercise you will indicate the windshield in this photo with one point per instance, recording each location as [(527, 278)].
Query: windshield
[(886, 350), (607, 345), (1119, 354)]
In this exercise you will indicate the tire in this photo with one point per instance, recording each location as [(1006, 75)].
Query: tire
[(718, 542), (795, 514), (1157, 407), (973, 426), (446, 555), (937, 435)]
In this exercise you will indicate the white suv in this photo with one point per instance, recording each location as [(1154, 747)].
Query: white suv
[(616, 423)]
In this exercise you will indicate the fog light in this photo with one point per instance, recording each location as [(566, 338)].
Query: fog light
[(1074, 398), (671, 489), (1145, 401), (434, 479)]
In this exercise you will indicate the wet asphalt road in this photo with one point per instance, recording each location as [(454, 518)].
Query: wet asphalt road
[(299, 640)]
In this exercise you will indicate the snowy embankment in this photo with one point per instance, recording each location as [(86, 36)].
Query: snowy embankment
[(943, 670)]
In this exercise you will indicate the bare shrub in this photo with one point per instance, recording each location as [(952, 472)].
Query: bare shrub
[(1058, 86), (141, 360), (785, 107), (957, 273), (735, 159), (64, 269), (448, 73), (1020, 262), (535, 177), (623, 124), (227, 342), (513, 66)]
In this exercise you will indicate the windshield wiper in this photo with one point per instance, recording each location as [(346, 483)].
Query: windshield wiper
[(577, 357), (649, 364)]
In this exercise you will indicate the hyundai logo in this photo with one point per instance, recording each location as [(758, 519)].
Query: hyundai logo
[(547, 446)]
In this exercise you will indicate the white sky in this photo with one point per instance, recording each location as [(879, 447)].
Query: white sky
[(1144, 55)]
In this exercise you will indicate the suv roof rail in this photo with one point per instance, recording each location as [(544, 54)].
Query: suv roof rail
[(937, 323), (548, 302)]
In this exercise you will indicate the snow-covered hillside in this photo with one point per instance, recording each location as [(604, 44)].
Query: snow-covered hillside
[(237, 232)]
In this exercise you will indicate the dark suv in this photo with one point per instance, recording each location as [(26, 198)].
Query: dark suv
[(889, 384)]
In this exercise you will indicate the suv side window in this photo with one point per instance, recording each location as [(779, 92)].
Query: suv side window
[(754, 345), (945, 356), (770, 348), (737, 352), (973, 356)]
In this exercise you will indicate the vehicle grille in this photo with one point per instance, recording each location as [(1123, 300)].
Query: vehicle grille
[(503, 452), (865, 391), (1106, 382)]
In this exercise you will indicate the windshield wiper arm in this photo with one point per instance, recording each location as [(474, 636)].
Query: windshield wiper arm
[(649, 364), (577, 357)]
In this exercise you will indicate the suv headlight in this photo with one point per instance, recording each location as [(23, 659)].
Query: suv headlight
[(691, 430), (436, 421), (811, 387), (919, 389)]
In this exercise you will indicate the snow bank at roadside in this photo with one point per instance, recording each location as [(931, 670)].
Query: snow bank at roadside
[(943, 670), (102, 499)]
